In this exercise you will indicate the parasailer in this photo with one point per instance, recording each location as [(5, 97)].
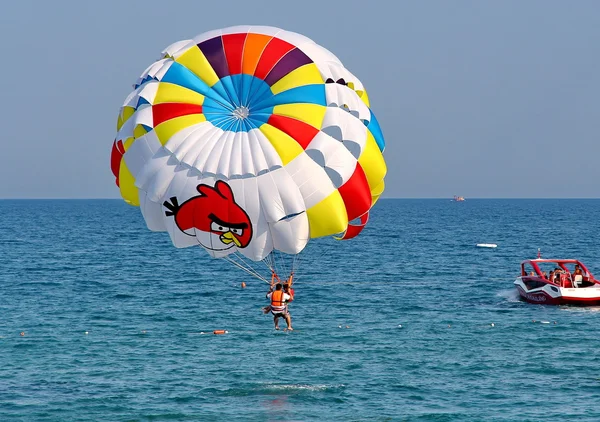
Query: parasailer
[(249, 141), (278, 307)]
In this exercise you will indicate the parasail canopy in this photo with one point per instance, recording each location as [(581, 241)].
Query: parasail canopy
[(249, 139)]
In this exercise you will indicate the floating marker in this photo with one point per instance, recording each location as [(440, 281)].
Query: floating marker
[(220, 332), (487, 245)]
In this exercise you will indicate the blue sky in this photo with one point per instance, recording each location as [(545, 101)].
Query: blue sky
[(481, 99)]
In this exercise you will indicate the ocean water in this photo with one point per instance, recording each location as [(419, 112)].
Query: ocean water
[(395, 325)]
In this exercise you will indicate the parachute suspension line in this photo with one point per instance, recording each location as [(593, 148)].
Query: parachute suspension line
[(274, 265), (244, 267), (269, 262), (250, 266), (283, 263), (295, 262)]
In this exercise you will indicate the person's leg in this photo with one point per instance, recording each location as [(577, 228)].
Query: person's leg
[(276, 321), (288, 321)]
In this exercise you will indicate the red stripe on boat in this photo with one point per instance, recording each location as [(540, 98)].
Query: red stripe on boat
[(233, 44), (356, 194), (167, 111), (273, 52), (301, 132)]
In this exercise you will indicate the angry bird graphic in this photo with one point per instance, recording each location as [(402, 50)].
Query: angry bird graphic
[(213, 217)]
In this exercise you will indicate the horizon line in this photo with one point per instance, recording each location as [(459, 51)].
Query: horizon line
[(382, 198)]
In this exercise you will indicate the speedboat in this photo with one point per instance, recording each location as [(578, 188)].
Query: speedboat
[(557, 282), (458, 198)]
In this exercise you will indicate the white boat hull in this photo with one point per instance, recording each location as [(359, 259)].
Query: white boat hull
[(551, 294)]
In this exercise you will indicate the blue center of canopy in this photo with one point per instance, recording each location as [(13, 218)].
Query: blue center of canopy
[(242, 105), (241, 102)]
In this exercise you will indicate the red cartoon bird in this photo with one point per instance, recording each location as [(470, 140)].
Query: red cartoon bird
[(213, 217)]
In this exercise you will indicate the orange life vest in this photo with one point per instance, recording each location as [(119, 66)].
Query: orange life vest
[(277, 298)]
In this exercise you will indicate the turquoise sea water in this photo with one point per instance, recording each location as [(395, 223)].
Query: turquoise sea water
[(112, 316)]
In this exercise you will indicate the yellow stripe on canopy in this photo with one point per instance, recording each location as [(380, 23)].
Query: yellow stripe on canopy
[(127, 142), (287, 147), (165, 130), (127, 185), (139, 131), (304, 75), (328, 217), (364, 97), (171, 93), (372, 162), (197, 63), (313, 114), (376, 193), (124, 114)]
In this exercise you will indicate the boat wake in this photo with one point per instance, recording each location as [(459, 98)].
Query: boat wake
[(580, 309), (300, 387), (510, 295)]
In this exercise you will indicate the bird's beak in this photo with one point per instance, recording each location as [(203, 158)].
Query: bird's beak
[(229, 237)]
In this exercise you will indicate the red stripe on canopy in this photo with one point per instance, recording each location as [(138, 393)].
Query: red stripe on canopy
[(301, 132), (115, 159), (274, 51), (167, 111), (354, 229), (356, 194), (233, 44)]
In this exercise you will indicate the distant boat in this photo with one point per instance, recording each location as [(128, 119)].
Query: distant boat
[(458, 198)]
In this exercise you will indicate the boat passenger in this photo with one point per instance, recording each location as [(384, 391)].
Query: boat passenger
[(557, 272), (577, 276)]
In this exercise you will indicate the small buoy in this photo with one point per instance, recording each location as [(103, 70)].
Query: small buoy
[(86, 333), (243, 284), (492, 324), (399, 325), (339, 326), (22, 333), (220, 332)]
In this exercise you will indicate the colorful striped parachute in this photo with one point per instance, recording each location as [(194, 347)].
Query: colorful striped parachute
[(249, 139)]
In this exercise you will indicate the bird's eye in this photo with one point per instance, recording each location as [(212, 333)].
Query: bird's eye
[(218, 228), (237, 231)]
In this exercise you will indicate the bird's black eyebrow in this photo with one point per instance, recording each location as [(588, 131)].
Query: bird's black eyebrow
[(224, 224)]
